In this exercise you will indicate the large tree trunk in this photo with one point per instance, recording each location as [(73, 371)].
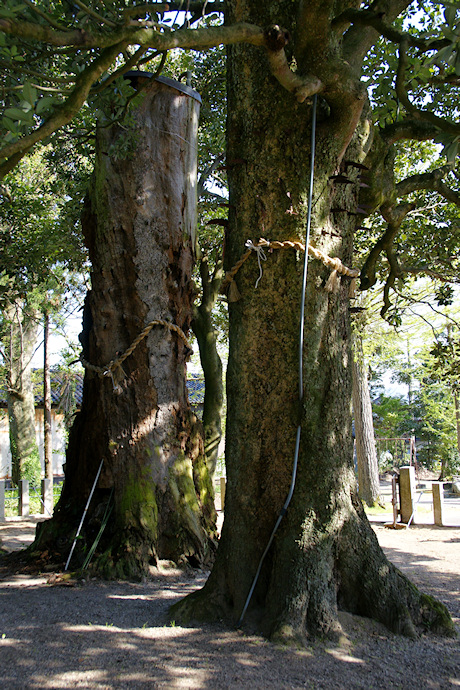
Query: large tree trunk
[(366, 454), (21, 402), (325, 555), (138, 226)]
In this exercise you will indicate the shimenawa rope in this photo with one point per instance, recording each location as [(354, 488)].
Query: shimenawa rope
[(114, 364), (334, 263)]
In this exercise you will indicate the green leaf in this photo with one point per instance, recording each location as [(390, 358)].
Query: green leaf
[(450, 15), (29, 93), (44, 103), (450, 151), (18, 114), (14, 113), (457, 63)]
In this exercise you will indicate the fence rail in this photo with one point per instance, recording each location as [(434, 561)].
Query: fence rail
[(22, 496)]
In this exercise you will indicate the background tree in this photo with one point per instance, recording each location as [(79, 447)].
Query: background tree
[(36, 250), (366, 454)]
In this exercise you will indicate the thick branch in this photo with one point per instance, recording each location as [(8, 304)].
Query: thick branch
[(448, 193), (389, 284), (273, 39), (417, 130), (416, 183), (302, 86), (148, 37), (359, 38)]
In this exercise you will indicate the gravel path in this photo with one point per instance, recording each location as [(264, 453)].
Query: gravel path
[(108, 635)]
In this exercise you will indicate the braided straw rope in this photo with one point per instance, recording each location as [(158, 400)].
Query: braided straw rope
[(109, 369), (333, 263)]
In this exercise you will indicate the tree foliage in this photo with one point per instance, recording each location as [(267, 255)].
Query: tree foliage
[(63, 65)]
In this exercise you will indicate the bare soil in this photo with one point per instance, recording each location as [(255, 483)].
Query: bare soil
[(107, 635)]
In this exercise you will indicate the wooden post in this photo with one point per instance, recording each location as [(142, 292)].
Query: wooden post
[(438, 502), (2, 500), (222, 492), (23, 498), (407, 492), (47, 497)]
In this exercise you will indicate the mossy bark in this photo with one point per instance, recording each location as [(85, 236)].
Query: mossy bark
[(138, 224), (325, 555)]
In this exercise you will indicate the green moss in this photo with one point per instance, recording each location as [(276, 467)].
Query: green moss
[(138, 504), (203, 480), (436, 617), (183, 490)]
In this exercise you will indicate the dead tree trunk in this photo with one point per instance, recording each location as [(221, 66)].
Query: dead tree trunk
[(138, 225)]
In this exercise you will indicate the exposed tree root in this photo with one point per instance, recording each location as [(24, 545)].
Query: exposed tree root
[(347, 571)]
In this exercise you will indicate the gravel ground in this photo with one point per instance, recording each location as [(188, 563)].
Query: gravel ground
[(116, 635)]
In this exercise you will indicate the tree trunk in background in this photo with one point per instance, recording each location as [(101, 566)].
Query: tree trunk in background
[(457, 419), (47, 435), (138, 225), (211, 363), (21, 402), (368, 468), (325, 555)]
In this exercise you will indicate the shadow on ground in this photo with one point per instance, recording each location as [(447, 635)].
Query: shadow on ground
[(117, 635)]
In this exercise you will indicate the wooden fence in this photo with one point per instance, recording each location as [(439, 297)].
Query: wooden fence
[(22, 498)]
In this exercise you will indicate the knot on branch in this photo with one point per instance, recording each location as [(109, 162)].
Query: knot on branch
[(276, 38)]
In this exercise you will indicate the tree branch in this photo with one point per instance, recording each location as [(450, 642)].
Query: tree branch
[(359, 38), (394, 215), (133, 60), (376, 21), (409, 129), (95, 15), (440, 123), (273, 39), (43, 15), (428, 180), (63, 113), (197, 39), (301, 86)]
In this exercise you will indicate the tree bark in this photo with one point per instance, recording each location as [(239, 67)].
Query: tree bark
[(138, 224), (47, 435), (211, 363), (21, 401), (325, 555), (366, 454)]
